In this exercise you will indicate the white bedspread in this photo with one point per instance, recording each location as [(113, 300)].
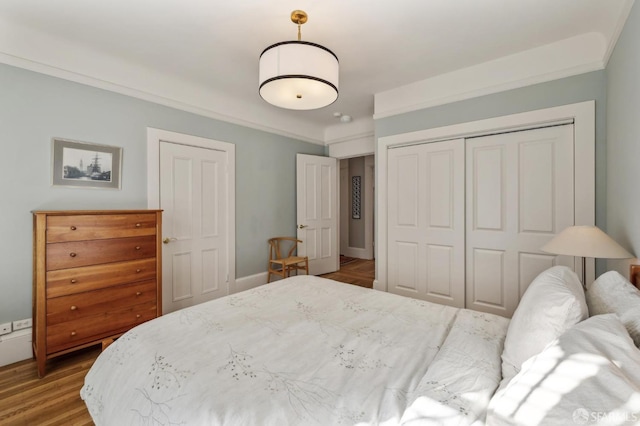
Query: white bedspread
[(305, 350)]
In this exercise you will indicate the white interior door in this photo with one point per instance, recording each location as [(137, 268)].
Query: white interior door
[(317, 212), (519, 194), (193, 186), (426, 222)]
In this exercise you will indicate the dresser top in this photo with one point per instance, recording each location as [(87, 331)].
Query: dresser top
[(88, 212)]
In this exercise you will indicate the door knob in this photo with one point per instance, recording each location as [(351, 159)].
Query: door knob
[(302, 226), (168, 240)]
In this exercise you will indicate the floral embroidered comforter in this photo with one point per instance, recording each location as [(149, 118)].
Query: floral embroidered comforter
[(301, 351)]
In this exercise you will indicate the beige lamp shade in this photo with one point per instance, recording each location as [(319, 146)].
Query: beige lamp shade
[(298, 75), (586, 241)]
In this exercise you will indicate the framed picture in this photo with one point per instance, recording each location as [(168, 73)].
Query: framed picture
[(86, 165), (355, 197)]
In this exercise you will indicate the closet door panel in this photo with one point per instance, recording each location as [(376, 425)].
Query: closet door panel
[(488, 277), (488, 190), (530, 265), (407, 274), (426, 222), (516, 201)]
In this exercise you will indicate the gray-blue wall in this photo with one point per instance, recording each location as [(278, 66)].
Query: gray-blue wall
[(580, 88), (34, 108), (623, 138)]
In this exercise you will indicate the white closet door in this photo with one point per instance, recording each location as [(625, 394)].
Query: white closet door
[(519, 194), (426, 222)]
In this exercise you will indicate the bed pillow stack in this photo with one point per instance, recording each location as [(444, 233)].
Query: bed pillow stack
[(590, 374), (553, 303), (613, 293)]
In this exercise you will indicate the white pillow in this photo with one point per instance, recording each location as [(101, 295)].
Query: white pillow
[(613, 293), (631, 320), (553, 303), (590, 374)]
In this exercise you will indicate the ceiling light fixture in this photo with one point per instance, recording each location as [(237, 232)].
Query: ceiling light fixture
[(298, 74)]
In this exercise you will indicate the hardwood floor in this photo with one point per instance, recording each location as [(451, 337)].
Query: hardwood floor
[(358, 272), (55, 400)]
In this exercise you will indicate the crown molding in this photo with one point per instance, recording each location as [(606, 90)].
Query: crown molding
[(565, 58), (29, 49), (620, 22), (357, 129), (154, 98)]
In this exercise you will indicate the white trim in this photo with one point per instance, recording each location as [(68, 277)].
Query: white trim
[(369, 196), (345, 132), (356, 252), (251, 281), (163, 90), (15, 347), (583, 115), (620, 22), (358, 147), (154, 137), (572, 56)]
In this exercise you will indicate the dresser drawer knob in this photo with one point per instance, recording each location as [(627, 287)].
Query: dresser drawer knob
[(73, 281), (73, 228), (137, 225), (137, 316), (72, 254), (138, 293), (138, 271), (74, 307), (73, 333), (138, 247)]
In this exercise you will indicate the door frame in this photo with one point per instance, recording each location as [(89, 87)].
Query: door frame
[(318, 265), (154, 137), (581, 114)]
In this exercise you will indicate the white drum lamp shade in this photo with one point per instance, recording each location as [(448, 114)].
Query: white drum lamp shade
[(298, 75)]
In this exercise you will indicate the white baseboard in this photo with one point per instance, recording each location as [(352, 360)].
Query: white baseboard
[(15, 347), (357, 252), (251, 281), (377, 285)]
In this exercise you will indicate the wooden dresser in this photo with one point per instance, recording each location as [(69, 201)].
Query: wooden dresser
[(96, 274)]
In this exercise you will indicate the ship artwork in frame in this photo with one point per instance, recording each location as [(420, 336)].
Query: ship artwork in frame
[(86, 165)]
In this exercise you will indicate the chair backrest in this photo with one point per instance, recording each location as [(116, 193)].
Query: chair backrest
[(280, 245)]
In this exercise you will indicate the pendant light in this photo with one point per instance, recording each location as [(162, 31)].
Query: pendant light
[(298, 74)]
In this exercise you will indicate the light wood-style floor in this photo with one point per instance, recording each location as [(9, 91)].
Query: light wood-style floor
[(55, 400), (359, 272)]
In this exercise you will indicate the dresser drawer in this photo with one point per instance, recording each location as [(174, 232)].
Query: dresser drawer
[(69, 308), (84, 253), (63, 282), (95, 227), (84, 330)]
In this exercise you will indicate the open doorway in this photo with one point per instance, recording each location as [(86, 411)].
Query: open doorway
[(357, 264), (357, 158), (356, 207)]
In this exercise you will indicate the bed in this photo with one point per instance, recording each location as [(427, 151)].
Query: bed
[(307, 350)]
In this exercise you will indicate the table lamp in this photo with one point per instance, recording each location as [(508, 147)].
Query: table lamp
[(585, 241)]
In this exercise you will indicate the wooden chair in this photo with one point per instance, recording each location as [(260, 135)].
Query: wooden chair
[(282, 265)]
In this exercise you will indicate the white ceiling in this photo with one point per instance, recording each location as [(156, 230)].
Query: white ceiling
[(202, 56)]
